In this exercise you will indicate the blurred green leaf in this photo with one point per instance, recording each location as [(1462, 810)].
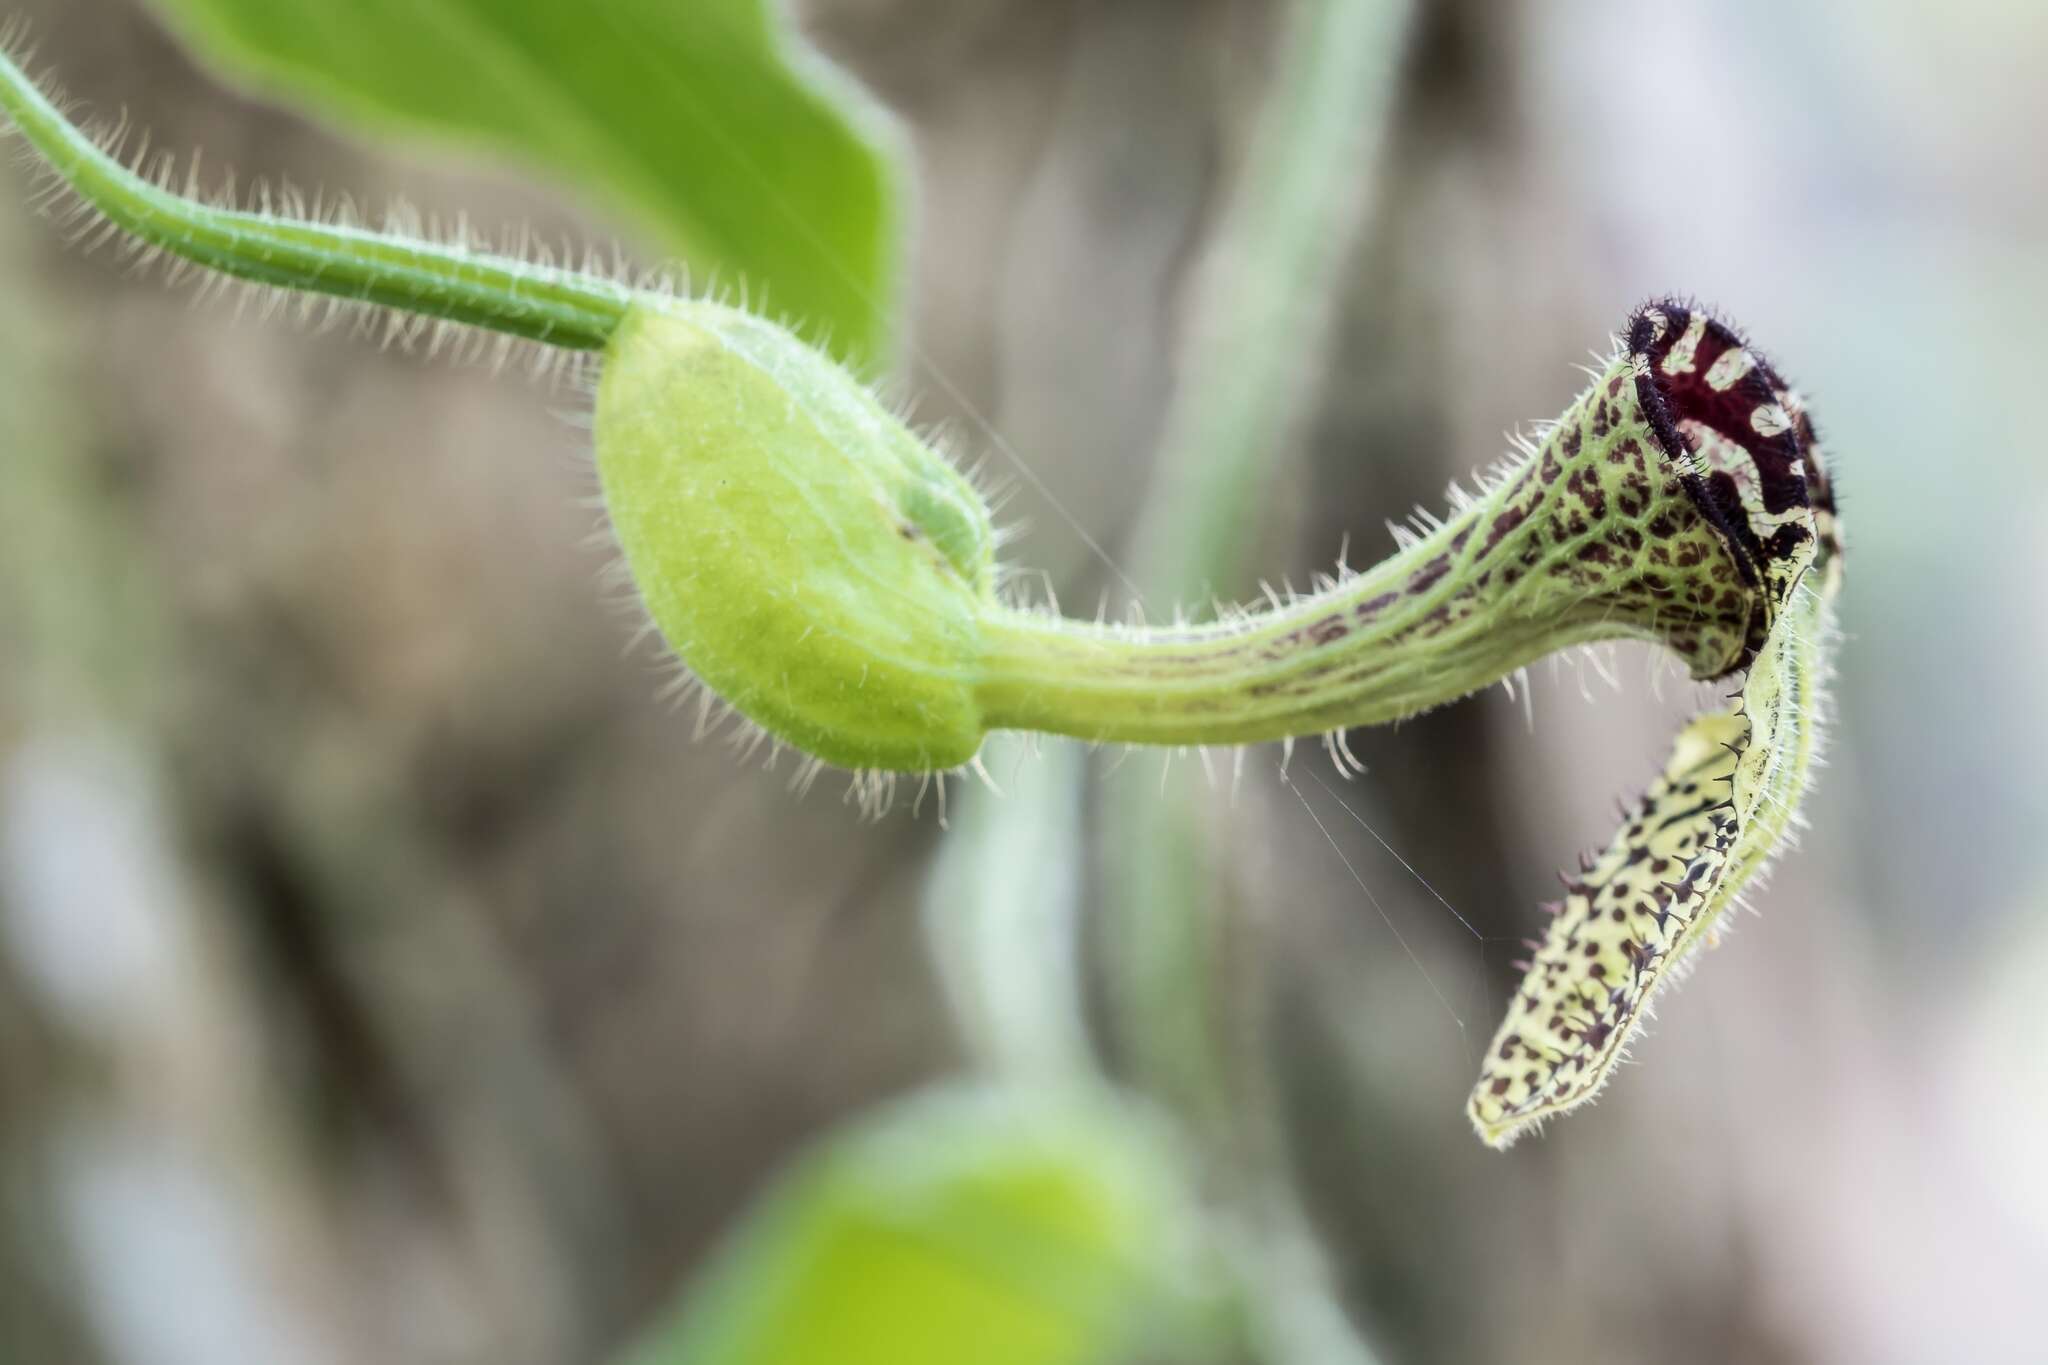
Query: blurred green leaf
[(984, 1226), (746, 155)]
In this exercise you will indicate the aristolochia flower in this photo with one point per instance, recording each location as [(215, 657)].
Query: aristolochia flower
[(826, 574)]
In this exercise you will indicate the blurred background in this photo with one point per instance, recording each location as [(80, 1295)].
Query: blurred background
[(386, 974)]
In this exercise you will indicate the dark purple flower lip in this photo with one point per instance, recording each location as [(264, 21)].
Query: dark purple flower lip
[(1696, 373)]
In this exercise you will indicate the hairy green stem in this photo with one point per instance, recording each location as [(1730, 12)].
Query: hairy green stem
[(1524, 570), (557, 307), (1329, 663)]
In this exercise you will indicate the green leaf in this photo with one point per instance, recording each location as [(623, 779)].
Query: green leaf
[(969, 1225), (745, 154)]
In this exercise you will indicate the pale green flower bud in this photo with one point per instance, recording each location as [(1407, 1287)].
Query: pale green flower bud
[(812, 561)]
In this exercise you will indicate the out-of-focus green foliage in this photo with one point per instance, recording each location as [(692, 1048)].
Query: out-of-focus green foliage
[(750, 159), (998, 1227)]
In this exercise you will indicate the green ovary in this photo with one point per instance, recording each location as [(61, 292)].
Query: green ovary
[(812, 561)]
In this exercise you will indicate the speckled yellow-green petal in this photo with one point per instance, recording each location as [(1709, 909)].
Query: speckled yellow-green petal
[(819, 567), (1631, 922)]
